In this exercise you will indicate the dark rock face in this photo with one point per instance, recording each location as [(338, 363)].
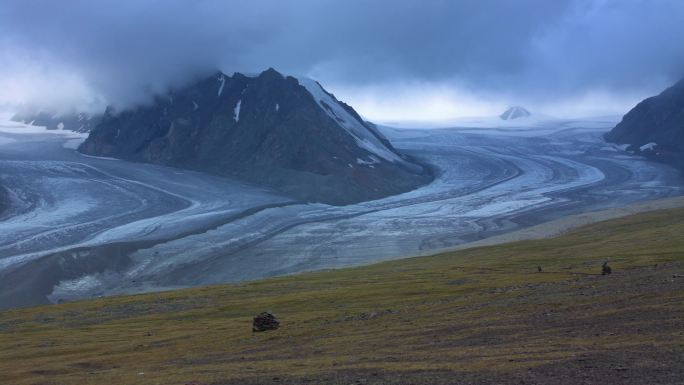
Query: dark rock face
[(275, 131), (265, 321), (655, 127), (74, 121), (515, 112)]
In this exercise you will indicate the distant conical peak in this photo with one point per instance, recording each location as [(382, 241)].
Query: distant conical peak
[(515, 112)]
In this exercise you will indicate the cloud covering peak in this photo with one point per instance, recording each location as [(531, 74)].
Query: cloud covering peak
[(471, 56)]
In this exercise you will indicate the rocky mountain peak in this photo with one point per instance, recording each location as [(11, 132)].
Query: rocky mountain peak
[(278, 131), (655, 127)]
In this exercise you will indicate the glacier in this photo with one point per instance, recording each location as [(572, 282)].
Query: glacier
[(124, 227)]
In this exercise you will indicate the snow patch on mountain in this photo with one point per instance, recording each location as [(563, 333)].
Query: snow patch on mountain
[(236, 111), (364, 137), (648, 146), (371, 160)]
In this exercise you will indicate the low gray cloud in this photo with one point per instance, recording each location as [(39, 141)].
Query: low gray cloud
[(122, 51)]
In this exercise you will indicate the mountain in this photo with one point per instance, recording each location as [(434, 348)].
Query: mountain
[(74, 121), (655, 127), (515, 112), (281, 132)]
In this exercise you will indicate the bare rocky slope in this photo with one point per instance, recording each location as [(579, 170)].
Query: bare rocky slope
[(532, 312), (655, 127), (271, 130)]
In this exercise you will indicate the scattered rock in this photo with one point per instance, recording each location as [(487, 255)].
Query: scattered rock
[(539, 269), (605, 269), (368, 316), (265, 321)]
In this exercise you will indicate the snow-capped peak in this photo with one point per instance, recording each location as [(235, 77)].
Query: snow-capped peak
[(364, 137)]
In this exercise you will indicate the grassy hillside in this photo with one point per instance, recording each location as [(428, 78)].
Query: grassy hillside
[(476, 316)]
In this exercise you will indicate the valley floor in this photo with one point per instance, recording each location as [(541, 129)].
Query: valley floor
[(81, 227), (476, 316)]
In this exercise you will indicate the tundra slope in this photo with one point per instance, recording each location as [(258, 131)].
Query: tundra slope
[(478, 316)]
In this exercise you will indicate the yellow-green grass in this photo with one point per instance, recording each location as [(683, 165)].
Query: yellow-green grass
[(484, 311)]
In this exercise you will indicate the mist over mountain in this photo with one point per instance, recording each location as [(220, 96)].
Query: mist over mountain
[(552, 54), (52, 120)]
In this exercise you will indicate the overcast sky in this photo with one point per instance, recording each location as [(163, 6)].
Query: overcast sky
[(391, 59)]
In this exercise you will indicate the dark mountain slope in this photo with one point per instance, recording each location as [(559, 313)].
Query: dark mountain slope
[(655, 127)]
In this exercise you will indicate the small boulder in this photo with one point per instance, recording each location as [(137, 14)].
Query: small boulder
[(265, 321), (605, 269)]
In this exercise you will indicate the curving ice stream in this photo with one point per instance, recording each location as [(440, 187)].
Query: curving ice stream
[(73, 226)]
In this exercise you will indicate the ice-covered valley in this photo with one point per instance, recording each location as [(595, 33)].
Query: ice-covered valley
[(73, 226)]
